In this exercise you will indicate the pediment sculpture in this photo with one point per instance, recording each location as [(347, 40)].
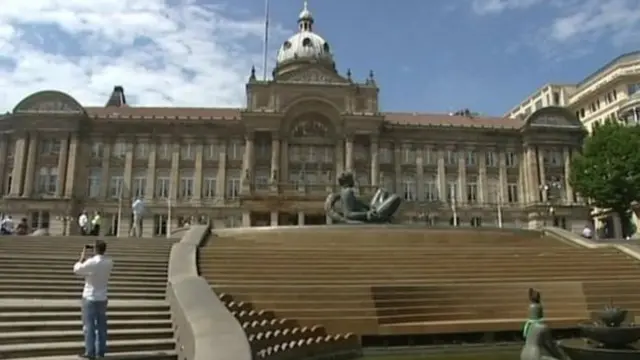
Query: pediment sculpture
[(310, 128)]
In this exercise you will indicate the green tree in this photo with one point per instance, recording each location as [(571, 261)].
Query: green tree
[(608, 169)]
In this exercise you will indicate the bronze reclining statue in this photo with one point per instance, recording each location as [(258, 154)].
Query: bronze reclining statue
[(353, 211)]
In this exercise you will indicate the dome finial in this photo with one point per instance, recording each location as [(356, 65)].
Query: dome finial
[(305, 19)]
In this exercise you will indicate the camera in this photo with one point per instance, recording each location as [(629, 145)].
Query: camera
[(88, 247)]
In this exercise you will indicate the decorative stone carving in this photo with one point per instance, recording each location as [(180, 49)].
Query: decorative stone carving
[(552, 120), (309, 128), (52, 106), (313, 76)]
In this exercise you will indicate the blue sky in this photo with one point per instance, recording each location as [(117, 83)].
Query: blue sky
[(428, 55)]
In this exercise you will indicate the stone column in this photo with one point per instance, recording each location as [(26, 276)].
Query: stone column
[(284, 161), (543, 176), (503, 186), (106, 176), (197, 181), (246, 218), (462, 177), (483, 185), (533, 188), (3, 162), (420, 174), (63, 157), (275, 163), (375, 161), (397, 165), (567, 171), (30, 172), (174, 173), (74, 155), (19, 156), (442, 177), (247, 164), (274, 218), (221, 176), (300, 218), (151, 171), (128, 170), (349, 153), (339, 156)]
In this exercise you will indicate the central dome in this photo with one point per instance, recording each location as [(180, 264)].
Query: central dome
[(305, 45)]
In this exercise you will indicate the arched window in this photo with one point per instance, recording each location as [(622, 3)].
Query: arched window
[(306, 42)]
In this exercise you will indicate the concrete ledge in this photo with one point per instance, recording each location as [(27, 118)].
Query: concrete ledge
[(204, 328), (586, 243)]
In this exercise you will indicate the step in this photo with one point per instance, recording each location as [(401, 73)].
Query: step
[(136, 355), (65, 259), (25, 337), (76, 280), (75, 315), (75, 294), (19, 351), (77, 288), (66, 263), (67, 325), (69, 272), (58, 249)]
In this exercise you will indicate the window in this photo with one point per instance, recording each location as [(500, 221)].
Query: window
[(235, 150), (233, 186), (476, 221), (142, 150), (471, 158), (451, 157), (552, 157), (263, 150), (187, 151), (186, 186), (511, 159), (387, 181), (408, 155), (493, 197), (119, 149), (8, 181), (452, 191), (209, 188), (360, 152), (491, 159), (556, 98), (97, 150), (472, 193), (47, 182), (160, 223), (538, 104), (431, 190), (386, 155), (262, 179), (164, 151), (633, 88), (163, 186), (326, 154), (116, 187), (50, 146), (409, 189), (362, 178), (139, 186), (212, 151), (94, 183), (429, 157), (512, 193)]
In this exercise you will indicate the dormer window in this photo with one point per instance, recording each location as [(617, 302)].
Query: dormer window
[(286, 45), (326, 47), (306, 42)]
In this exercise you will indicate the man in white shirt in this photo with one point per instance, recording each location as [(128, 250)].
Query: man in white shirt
[(83, 222), (7, 226), (96, 271), (138, 211), (587, 233)]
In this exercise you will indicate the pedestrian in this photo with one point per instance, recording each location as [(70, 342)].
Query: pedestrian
[(83, 223), (137, 209), (96, 221)]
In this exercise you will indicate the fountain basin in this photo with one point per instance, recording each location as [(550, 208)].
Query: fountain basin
[(579, 349), (611, 337)]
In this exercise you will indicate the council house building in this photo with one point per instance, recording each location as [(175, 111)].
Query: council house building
[(273, 161)]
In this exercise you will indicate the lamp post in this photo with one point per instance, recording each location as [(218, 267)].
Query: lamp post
[(66, 221), (548, 190)]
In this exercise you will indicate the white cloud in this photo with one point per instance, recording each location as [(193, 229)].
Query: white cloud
[(188, 53), (484, 7)]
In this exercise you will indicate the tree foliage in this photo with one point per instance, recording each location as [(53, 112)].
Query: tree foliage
[(608, 169)]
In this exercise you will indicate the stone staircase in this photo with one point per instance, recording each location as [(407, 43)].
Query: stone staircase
[(40, 299)]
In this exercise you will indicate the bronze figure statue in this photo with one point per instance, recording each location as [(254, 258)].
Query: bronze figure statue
[(539, 344), (354, 211)]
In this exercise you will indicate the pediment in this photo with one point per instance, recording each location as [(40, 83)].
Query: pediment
[(49, 102), (553, 117), (313, 76)]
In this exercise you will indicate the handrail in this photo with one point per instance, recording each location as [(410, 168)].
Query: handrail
[(204, 328)]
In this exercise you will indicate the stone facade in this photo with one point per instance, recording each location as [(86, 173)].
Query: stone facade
[(274, 161)]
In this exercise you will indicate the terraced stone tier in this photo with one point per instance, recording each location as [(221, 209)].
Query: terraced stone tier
[(40, 298), (395, 280)]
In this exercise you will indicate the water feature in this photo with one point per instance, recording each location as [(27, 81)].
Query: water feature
[(609, 337)]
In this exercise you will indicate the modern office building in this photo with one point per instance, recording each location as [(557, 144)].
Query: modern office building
[(273, 161)]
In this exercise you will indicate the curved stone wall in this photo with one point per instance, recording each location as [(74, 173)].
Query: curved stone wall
[(203, 326)]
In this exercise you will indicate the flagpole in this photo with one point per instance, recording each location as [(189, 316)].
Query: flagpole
[(265, 49)]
